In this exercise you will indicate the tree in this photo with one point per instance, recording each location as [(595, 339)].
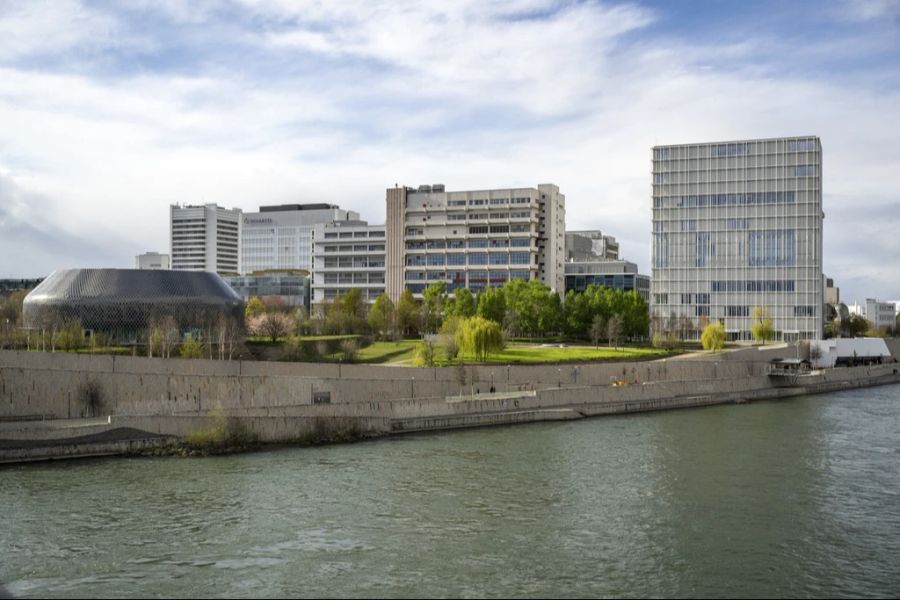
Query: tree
[(354, 309), (713, 337), (598, 329), (857, 326), (349, 349), (492, 305), (272, 325), (614, 329), (479, 337), (433, 300), (381, 316), (762, 329), (254, 308), (463, 304), (407, 314)]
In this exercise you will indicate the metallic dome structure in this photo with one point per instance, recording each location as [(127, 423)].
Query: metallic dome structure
[(125, 302)]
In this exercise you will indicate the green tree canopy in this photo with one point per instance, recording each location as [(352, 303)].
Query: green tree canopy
[(407, 313), (763, 329), (479, 337), (713, 337), (492, 305)]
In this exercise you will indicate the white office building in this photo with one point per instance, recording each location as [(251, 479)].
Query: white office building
[(474, 239), (205, 238), (590, 245), (281, 237), (152, 260), (881, 315), (348, 255), (738, 225)]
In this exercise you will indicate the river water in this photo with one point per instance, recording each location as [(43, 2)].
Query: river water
[(794, 498)]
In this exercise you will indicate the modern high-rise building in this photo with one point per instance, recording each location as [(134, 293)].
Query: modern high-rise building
[(281, 237), (738, 225), (590, 245), (348, 255), (152, 260), (205, 238), (474, 239)]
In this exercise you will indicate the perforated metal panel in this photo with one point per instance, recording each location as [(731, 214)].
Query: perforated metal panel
[(122, 302)]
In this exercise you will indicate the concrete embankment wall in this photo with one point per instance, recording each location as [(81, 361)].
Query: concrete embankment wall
[(274, 401), (53, 385)]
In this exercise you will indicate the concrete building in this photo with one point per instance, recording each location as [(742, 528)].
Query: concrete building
[(832, 292), (290, 287), (619, 274), (590, 245), (738, 225), (881, 315), (280, 237), (205, 238), (347, 255), (152, 260), (474, 239)]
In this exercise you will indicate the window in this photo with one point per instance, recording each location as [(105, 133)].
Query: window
[(499, 229), (772, 248), (436, 260), (804, 170), (519, 258), (478, 258), (804, 311), (456, 243), (417, 260), (517, 274), (456, 259), (478, 229), (499, 258), (737, 311), (478, 243), (456, 217), (520, 242)]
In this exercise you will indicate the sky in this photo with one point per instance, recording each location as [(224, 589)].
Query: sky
[(112, 111)]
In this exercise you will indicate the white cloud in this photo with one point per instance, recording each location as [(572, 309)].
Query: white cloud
[(458, 93)]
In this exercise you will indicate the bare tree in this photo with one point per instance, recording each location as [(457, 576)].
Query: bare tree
[(614, 329)]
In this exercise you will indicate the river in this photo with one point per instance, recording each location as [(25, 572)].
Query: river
[(794, 498)]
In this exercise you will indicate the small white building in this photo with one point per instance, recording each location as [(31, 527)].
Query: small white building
[(152, 260)]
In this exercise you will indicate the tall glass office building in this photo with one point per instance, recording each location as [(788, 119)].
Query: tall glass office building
[(738, 225)]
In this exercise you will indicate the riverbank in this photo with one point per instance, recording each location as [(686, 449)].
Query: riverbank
[(297, 403)]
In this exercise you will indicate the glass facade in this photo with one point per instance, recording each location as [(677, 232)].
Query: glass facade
[(739, 225)]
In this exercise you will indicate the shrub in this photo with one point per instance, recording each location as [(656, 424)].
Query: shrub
[(349, 349), (425, 354), (191, 348)]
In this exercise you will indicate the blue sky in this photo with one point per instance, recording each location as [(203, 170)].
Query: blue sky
[(111, 111)]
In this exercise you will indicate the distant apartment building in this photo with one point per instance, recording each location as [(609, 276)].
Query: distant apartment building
[(738, 225), (205, 238), (590, 245), (881, 315), (291, 288), (617, 274), (348, 255), (281, 237), (152, 260), (474, 239)]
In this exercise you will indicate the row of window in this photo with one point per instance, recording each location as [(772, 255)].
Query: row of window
[(747, 173), (473, 258), (472, 243), (333, 235), (477, 281), (746, 199), (740, 149), (485, 201)]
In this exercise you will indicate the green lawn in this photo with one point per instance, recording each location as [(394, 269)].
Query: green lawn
[(403, 351), (536, 353)]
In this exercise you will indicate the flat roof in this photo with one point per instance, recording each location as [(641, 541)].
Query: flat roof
[(288, 207)]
